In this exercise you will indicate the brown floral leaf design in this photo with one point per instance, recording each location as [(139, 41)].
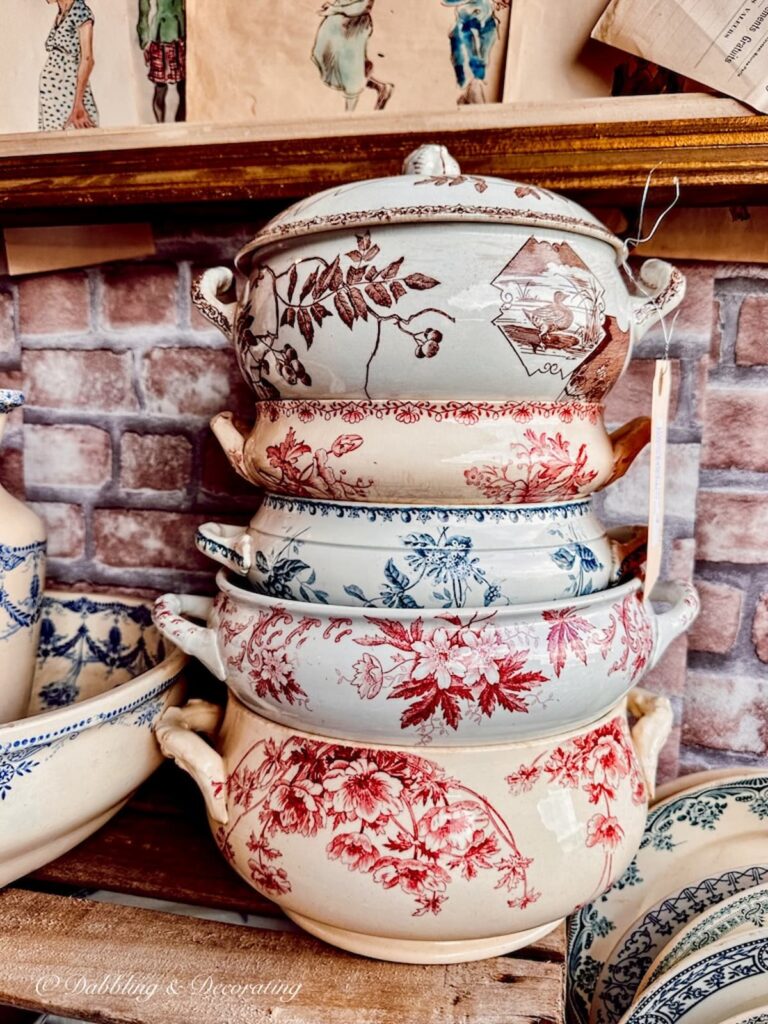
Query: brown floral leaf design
[(480, 185), (324, 280), (306, 326), (397, 289), (292, 279), (288, 317), (361, 307), (391, 271), (355, 255), (308, 286), (363, 241), (344, 307), (319, 312), (355, 275), (371, 273), (420, 282), (378, 293)]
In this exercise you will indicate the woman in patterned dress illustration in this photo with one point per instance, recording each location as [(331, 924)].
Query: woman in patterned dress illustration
[(341, 51), (66, 98)]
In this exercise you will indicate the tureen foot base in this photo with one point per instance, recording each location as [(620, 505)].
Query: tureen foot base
[(410, 951)]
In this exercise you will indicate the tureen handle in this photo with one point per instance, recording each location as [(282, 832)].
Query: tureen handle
[(627, 443), (230, 545), (663, 288), (431, 160), (232, 441), (176, 732), (198, 641), (651, 730), (207, 292), (684, 600)]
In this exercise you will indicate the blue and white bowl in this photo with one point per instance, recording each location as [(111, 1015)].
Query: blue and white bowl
[(103, 676), (398, 556)]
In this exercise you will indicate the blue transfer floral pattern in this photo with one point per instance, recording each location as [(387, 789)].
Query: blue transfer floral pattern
[(698, 810), (112, 643), (20, 613)]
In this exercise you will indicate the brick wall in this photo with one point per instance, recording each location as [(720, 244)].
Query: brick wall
[(122, 375)]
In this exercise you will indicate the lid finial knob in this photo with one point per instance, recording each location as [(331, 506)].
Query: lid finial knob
[(431, 160)]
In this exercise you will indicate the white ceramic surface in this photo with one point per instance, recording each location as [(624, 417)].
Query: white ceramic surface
[(758, 1015), (396, 556), (742, 912), (435, 284), (22, 572), (384, 843), (699, 834), (726, 978), (103, 676), (445, 453), (449, 677)]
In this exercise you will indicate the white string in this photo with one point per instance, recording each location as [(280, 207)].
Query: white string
[(633, 242), (668, 329)]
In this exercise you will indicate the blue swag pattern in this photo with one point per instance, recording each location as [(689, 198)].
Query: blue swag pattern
[(21, 613)]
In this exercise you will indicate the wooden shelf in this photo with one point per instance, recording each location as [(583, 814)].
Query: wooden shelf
[(159, 846), (597, 150)]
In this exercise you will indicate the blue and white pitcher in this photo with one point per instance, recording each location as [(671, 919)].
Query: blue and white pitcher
[(22, 573)]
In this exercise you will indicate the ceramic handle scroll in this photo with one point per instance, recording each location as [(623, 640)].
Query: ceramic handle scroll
[(176, 733), (627, 443), (231, 440), (651, 730), (207, 292), (229, 545), (199, 641), (663, 289), (684, 600)]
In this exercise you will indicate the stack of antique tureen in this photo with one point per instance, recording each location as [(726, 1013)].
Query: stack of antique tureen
[(430, 641)]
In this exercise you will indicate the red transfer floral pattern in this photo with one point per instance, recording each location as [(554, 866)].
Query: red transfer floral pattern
[(393, 816), (542, 468), (300, 470), (403, 821), (404, 411), (596, 763), (466, 667)]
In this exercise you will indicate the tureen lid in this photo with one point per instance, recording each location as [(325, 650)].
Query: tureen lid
[(431, 188)]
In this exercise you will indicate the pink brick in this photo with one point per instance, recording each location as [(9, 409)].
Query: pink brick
[(632, 395), (99, 380), (132, 538), (752, 336), (66, 528), (67, 456), (701, 387), (732, 526), (193, 382), (694, 318), (760, 628), (140, 295), (735, 429), (717, 626), (12, 471), (54, 304), (157, 462), (8, 343), (726, 712)]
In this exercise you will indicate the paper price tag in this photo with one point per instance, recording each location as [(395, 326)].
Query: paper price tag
[(662, 387)]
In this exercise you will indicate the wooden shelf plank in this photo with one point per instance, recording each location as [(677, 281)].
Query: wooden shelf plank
[(64, 940), (712, 145)]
